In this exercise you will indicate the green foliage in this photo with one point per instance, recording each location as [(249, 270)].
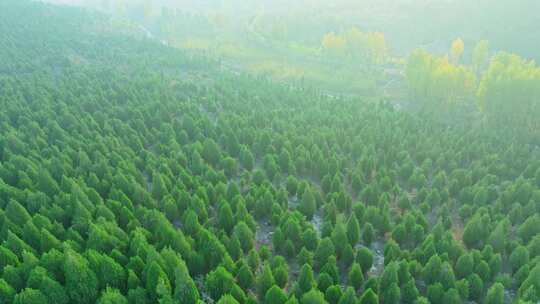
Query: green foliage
[(325, 249), (475, 232), (506, 75), (364, 257), (29, 296), (307, 203), (353, 230), (369, 297), (227, 299), (476, 286), (428, 78), (530, 288), (6, 292), (184, 287), (265, 280), (368, 234), (245, 277), (81, 281), (409, 292), (451, 296), (275, 295), (306, 282), (112, 296), (313, 297), (356, 278), (464, 266), (529, 228), (495, 294), (348, 297), (244, 235), (156, 277), (125, 181), (219, 282), (435, 293), (392, 294), (389, 276)]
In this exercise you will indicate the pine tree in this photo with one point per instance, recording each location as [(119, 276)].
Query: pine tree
[(339, 238), (313, 297), (519, 257), (389, 276), (392, 295), (364, 257), (246, 158), (16, 212), (225, 217), (369, 297), (227, 299), (112, 296), (244, 235), (7, 257), (307, 204), (432, 270), (281, 275), (245, 277), (325, 249), (353, 230), (275, 295), (46, 183), (435, 293), (409, 292), (451, 296), (356, 278), (333, 294), (159, 188), (305, 279), (368, 234), (211, 152), (30, 296), (7, 293), (81, 281), (185, 289), (348, 297), (265, 281), (464, 266), (324, 281), (154, 276), (219, 282), (495, 294)]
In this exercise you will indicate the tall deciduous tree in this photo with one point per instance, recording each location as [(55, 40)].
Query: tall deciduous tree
[(456, 50)]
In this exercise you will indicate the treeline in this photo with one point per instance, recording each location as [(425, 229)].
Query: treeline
[(356, 46), (504, 87), (135, 183)]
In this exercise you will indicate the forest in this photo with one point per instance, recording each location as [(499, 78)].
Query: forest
[(134, 169), (362, 44)]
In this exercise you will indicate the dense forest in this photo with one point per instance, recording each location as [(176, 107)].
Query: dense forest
[(132, 171)]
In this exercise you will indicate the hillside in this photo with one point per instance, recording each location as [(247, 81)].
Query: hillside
[(133, 172)]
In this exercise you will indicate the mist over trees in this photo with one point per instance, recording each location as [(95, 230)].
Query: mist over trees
[(158, 155)]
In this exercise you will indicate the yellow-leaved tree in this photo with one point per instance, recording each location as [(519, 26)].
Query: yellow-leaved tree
[(510, 91), (437, 84), (334, 44), (356, 45), (480, 55), (456, 50)]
